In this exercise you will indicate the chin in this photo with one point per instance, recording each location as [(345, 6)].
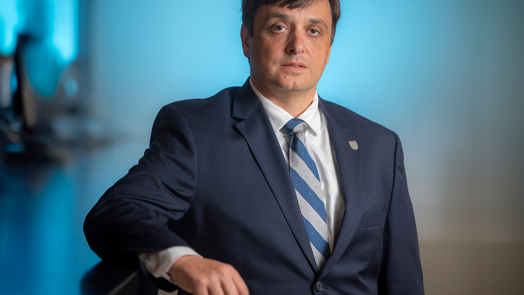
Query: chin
[(291, 85)]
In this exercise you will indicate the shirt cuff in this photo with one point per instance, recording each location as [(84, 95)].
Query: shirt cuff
[(159, 263)]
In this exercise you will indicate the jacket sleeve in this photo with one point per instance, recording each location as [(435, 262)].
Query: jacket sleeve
[(134, 214), (401, 271)]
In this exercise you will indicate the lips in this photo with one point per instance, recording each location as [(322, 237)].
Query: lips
[(296, 65)]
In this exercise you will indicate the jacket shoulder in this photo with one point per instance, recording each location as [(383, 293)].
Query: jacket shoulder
[(360, 125), (190, 115), (195, 106)]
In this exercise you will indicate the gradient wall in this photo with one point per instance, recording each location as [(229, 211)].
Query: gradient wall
[(446, 75)]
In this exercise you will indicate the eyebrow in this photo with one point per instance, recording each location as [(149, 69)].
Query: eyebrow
[(284, 16)]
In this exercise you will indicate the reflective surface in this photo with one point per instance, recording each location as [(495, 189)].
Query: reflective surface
[(42, 208)]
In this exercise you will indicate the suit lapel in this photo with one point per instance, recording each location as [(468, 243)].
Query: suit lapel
[(349, 162), (256, 128)]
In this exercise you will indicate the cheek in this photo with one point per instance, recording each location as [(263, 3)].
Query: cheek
[(271, 47), (321, 56), (259, 50)]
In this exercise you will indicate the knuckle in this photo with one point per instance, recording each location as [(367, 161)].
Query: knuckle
[(223, 269), (228, 268), (214, 276), (201, 281)]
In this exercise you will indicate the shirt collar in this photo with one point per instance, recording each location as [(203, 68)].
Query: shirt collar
[(279, 117)]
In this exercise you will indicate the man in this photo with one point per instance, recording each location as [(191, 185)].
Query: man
[(266, 188)]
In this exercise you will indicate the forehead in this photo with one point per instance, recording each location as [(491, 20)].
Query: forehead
[(319, 10)]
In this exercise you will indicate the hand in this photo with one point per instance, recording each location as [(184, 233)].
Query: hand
[(202, 276)]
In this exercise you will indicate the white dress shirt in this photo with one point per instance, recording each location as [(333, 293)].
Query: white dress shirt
[(320, 147)]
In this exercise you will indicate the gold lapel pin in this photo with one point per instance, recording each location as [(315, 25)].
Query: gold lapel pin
[(353, 144)]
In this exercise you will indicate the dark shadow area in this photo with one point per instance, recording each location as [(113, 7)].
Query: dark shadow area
[(105, 278)]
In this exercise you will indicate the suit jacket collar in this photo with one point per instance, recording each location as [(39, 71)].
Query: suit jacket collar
[(256, 128), (349, 163), (245, 102)]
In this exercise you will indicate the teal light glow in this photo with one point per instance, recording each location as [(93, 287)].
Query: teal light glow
[(9, 18), (65, 27), (52, 43)]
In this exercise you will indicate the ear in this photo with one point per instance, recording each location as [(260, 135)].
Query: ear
[(246, 41), (329, 53)]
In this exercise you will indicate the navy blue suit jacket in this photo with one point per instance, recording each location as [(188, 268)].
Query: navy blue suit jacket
[(214, 179)]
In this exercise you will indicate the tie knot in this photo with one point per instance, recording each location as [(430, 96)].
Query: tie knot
[(295, 125)]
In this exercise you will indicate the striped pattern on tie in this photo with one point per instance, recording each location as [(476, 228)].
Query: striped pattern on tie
[(306, 180)]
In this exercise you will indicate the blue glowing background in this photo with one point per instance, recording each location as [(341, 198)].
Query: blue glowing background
[(446, 75), (52, 30)]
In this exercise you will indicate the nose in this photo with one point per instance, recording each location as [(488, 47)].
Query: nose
[(295, 44)]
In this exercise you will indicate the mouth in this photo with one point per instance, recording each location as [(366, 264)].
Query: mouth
[(294, 65)]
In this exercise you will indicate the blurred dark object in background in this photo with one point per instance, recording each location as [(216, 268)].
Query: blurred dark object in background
[(44, 110)]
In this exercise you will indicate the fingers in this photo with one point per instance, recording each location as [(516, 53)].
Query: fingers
[(234, 284), (211, 285), (199, 290), (240, 284), (202, 276)]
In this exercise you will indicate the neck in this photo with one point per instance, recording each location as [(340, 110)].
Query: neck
[(293, 102)]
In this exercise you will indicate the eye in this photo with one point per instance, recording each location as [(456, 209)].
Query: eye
[(279, 28), (314, 32)]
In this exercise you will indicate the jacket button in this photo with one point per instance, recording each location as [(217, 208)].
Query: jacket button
[(319, 286)]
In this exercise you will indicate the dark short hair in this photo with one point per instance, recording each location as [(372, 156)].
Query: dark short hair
[(250, 9)]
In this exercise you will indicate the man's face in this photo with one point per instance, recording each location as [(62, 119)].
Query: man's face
[(289, 48)]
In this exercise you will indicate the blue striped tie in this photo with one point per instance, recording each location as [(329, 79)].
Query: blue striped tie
[(306, 180)]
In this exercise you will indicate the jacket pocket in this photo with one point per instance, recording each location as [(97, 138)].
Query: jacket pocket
[(373, 219)]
